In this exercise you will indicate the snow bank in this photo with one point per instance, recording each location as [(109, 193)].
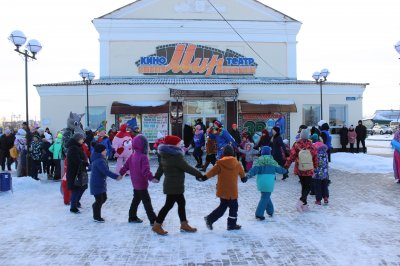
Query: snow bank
[(361, 163)]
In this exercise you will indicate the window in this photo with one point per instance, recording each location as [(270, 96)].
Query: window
[(337, 116), (311, 114), (97, 114)]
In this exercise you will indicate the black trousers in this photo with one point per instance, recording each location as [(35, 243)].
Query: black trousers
[(57, 169), (321, 188), (233, 206), (306, 182), (3, 158), (198, 155), (363, 144), (35, 167), (352, 147), (169, 203), (49, 167), (100, 200), (142, 196)]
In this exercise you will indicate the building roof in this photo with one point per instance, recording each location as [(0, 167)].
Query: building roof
[(385, 115), (194, 81), (137, 1)]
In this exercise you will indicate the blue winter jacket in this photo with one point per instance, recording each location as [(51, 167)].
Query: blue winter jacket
[(100, 171), (106, 142), (223, 139), (198, 140), (328, 140), (396, 145), (265, 168)]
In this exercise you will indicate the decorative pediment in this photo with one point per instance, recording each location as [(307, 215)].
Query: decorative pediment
[(250, 10)]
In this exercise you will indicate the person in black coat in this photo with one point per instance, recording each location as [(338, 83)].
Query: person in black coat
[(200, 122), (361, 131), (76, 162), (278, 148), (6, 143), (235, 134), (344, 137), (188, 135), (264, 140)]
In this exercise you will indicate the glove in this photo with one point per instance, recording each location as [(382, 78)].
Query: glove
[(202, 178), (244, 179), (155, 180)]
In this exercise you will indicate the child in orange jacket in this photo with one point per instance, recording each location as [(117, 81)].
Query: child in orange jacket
[(228, 169)]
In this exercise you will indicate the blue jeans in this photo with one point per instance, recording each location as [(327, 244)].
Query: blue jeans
[(76, 195), (265, 204)]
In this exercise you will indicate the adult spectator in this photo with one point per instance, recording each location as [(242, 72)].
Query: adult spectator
[(344, 138), (361, 131), (264, 140), (278, 149), (235, 134), (200, 122), (6, 143)]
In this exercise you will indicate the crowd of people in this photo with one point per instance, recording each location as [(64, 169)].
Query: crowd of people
[(231, 153)]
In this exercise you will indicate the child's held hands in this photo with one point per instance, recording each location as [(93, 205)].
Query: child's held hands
[(154, 180)]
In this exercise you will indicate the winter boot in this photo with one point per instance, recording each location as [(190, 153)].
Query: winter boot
[(305, 208), (299, 206), (208, 223), (98, 220), (159, 230), (135, 220), (234, 227), (260, 218), (185, 227), (318, 202), (326, 200)]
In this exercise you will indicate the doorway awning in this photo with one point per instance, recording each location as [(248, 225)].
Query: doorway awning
[(140, 107), (174, 93), (267, 106)]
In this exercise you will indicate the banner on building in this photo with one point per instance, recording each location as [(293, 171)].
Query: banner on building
[(193, 59), (154, 123)]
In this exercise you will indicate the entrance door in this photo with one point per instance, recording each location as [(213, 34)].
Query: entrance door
[(206, 110)]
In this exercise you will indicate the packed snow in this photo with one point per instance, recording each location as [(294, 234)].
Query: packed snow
[(361, 163)]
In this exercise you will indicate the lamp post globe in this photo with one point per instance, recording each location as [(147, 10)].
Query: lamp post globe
[(18, 38), (34, 46), (316, 76), (397, 47)]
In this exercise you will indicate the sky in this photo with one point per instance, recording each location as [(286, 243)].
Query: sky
[(354, 39)]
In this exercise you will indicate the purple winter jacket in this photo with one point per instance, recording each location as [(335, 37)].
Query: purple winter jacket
[(138, 164)]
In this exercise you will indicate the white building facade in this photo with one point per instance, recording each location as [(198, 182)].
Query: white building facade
[(168, 63)]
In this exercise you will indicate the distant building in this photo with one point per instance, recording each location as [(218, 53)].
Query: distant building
[(382, 117)]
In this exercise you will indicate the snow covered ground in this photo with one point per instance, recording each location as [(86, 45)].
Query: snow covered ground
[(359, 227)]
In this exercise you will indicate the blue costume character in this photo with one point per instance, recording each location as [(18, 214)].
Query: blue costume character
[(222, 137)]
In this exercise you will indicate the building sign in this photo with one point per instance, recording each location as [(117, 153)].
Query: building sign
[(192, 59), (154, 123), (351, 98)]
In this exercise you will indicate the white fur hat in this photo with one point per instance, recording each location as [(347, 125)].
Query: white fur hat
[(321, 122)]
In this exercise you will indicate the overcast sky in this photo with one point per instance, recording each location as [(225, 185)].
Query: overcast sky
[(354, 39)]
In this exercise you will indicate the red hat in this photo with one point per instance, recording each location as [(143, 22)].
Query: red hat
[(234, 125), (172, 140), (217, 123)]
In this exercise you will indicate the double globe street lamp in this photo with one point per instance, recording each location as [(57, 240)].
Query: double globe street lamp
[(87, 79), (29, 50), (320, 78)]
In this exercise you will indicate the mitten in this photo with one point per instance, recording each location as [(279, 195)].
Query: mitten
[(244, 179)]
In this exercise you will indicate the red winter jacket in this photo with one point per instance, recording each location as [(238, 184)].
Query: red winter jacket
[(302, 144)]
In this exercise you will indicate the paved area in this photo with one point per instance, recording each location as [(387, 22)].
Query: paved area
[(359, 227)]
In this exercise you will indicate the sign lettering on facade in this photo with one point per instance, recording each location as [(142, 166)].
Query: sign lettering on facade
[(192, 59)]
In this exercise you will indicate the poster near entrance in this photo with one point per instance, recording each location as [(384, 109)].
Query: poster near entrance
[(255, 123), (125, 118), (154, 123)]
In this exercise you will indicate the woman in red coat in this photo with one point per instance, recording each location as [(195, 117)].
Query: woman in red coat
[(304, 154)]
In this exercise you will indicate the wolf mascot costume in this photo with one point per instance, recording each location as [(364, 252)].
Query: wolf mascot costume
[(74, 125)]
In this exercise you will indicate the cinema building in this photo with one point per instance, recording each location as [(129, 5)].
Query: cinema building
[(168, 63)]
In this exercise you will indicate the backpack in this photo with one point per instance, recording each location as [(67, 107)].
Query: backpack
[(305, 160)]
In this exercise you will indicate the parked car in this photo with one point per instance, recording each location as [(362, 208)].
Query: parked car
[(369, 131), (382, 130), (394, 125)]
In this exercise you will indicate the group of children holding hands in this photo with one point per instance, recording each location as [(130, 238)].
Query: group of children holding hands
[(173, 166)]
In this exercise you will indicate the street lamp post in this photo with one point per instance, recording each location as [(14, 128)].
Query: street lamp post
[(320, 78), (87, 79), (29, 51)]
